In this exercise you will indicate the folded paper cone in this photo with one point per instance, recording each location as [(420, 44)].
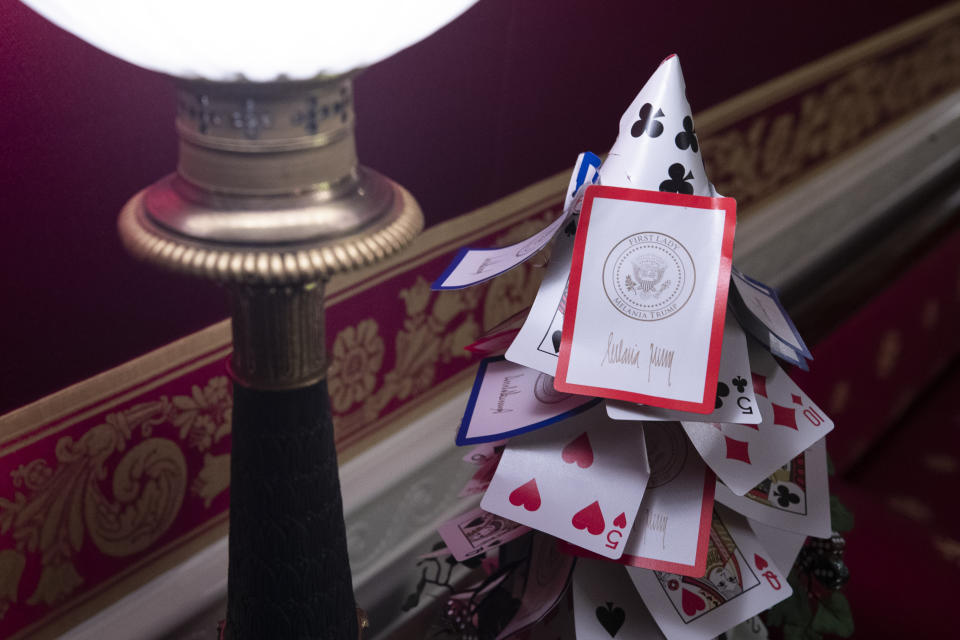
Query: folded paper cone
[(657, 148)]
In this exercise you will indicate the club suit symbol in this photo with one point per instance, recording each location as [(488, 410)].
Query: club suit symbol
[(646, 123), (722, 392), (679, 181), (687, 139), (739, 383)]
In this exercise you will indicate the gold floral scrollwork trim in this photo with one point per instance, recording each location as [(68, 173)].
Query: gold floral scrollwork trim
[(758, 156), (356, 361), (148, 485), (54, 507)]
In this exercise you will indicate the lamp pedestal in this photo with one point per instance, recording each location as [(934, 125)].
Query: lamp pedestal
[(268, 200)]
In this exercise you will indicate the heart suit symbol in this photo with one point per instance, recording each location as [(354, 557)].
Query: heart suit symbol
[(526, 495), (578, 451), (589, 518), (760, 562), (620, 520), (691, 602)]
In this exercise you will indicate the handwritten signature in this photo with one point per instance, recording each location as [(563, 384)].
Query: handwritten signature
[(507, 389)]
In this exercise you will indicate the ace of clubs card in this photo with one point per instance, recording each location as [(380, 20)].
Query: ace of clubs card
[(742, 455), (741, 580), (580, 480), (647, 298)]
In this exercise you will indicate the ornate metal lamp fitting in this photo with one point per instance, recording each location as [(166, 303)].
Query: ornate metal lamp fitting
[(268, 199)]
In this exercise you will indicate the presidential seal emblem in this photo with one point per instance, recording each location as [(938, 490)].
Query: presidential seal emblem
[(649, 276)]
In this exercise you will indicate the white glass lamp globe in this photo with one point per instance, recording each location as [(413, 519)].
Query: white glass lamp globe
[(242, 40)]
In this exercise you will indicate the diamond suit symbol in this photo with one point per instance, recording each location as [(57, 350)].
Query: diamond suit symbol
[(784, 416), (738, 449), (759, 384)]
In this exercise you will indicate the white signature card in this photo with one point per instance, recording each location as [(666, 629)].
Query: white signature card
[(647, 298)]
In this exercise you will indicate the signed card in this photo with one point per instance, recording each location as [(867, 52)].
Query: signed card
[(740, 581), (735, 399), (476, 531), (647, 298), (743, 455), (508, 399), (581, 480), (673, 524), (796, 497), (537, 345), (607, 605), (763, 315), (473, 266)]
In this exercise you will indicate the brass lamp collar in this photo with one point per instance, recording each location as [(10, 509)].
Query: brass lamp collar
[(269, 199)]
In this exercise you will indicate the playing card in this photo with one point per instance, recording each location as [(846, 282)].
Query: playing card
[(795, 497), (471, 533), (484, 452), (740, 581), (547, 578), (508, 399), (783, 546), (480, 480), (647, 298), (735, 400), (585, 171), (657, 146), (743, 455), (537, 344), (607, 605), (673, 523), (472, 266), (496, 340), (763, 315), (785, 352), (581, 480)]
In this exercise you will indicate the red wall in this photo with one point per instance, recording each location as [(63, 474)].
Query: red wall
[(505, 96)]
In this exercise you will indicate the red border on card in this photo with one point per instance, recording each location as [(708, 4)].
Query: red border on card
[(481, 347), (728, 208), (696, 570)]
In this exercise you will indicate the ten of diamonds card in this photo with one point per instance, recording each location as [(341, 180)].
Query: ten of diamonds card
[(647, 298)]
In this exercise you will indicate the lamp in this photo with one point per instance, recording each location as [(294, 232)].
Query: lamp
[(269, 200)]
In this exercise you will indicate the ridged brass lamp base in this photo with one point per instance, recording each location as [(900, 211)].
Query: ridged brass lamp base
[(269, 201)]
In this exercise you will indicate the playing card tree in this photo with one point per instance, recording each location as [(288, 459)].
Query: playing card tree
[(639, 417)]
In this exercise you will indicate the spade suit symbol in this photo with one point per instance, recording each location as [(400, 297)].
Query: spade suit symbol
[(611, 618)]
